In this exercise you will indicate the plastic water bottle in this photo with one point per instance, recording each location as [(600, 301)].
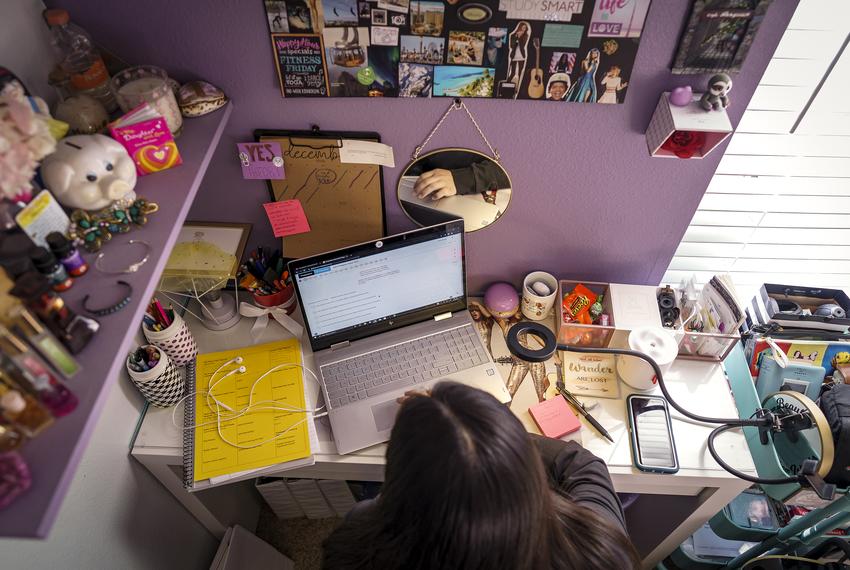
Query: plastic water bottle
[(79, 59)]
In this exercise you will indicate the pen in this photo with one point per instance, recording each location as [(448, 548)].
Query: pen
[(579, 407)]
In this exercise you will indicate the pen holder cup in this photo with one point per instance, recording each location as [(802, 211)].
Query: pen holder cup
[(284, 299), (176, 341), (162, 385)]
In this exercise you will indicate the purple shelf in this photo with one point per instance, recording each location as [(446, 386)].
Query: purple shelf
[(54, 456)]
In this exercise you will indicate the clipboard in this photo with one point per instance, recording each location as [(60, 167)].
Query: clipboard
[(344, 203)]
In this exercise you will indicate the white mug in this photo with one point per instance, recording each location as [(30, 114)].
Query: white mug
[(535, 306)]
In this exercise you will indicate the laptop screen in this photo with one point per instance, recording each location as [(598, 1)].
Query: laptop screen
[(371, 287)]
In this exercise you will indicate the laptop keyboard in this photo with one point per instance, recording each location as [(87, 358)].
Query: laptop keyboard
[(402, 365)]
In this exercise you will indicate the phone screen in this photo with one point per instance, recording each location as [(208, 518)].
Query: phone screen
[(652, 432)]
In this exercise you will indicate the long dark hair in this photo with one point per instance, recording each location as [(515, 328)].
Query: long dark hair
[(466, 489)]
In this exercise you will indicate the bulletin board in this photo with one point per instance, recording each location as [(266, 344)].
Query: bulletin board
[(578, 51), (343, 203)]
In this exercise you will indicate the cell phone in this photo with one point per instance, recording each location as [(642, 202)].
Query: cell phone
[(653, 447)]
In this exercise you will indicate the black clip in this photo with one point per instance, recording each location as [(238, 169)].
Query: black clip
[(315, 128), (458, 103), (809, 475)]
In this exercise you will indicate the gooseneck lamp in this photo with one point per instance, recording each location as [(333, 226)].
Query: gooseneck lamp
[(768, 422)]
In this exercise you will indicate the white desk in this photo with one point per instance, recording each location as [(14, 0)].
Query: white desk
[(698, 386)]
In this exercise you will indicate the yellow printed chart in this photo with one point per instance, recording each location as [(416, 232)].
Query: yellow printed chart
[(214, 456)]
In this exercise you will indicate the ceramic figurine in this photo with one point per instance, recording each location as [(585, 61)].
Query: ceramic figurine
[(198, 98), (716, 97), (682, 96), (89, 172)]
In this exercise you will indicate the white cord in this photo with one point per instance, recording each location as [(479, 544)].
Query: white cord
[(252, 406)]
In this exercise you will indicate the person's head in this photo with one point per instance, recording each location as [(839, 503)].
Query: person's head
[(465, 488), (522, 29), (563, 59), (557, 90), (593, 54), (614, 71)]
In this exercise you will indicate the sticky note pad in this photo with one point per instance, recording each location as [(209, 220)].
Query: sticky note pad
[(554, 417), (287, 218)]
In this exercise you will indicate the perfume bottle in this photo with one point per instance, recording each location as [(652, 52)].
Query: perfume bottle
[(21, 409), (72, 330), (27, 326), (10, 438), (30, 372)]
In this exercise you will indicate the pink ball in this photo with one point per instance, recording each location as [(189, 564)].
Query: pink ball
[(681, 96), (502, 300)]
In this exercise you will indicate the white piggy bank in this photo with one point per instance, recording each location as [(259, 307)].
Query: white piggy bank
[(89, 172)]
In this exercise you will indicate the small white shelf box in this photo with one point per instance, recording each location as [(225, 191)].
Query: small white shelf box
[(669, 118)]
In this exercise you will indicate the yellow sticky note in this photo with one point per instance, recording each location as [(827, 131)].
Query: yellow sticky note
[(263, 436)]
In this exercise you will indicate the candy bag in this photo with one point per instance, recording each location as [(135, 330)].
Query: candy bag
[(577, 305)]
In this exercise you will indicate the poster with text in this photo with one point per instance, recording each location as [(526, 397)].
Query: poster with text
[(578, 51)]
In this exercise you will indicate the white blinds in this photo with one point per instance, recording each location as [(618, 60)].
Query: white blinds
[(778, 207)]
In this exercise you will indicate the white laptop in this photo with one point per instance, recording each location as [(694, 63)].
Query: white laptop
[(386, 317)]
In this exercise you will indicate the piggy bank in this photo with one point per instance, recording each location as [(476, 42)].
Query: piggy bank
[(89, 172)]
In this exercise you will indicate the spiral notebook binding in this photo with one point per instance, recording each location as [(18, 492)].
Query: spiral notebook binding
[(188, 429)]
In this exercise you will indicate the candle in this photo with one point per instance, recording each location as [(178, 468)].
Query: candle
[(149, 84)]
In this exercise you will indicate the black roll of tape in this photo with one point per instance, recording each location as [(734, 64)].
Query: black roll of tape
[(517, 349)]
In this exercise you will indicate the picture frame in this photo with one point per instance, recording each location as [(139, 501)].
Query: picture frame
[(229, 237), (718, 36)]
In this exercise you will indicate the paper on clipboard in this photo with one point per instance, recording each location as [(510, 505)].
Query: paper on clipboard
[(342, 201), (366, 152)]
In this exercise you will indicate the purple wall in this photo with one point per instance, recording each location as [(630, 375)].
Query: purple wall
[(589, 203)]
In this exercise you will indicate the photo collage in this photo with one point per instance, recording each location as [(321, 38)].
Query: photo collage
[(550, 50)]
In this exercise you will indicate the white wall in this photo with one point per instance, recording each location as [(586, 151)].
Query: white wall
[(115, 515), (25, 44)]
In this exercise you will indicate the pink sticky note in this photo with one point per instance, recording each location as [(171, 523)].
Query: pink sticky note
[(554, 417), (287, 218), (261, 161)]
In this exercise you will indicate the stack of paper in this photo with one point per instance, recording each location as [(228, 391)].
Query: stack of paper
[(263, 439)]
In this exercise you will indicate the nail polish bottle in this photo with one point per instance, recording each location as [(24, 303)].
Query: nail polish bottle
[(67, 253), (47, 264), (31, 373), (22, 410)]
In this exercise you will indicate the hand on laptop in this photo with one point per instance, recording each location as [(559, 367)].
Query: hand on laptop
[(412, 393), (437, 183)]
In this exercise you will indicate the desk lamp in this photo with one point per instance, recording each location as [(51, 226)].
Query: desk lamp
[(199, 270), (785, 419)]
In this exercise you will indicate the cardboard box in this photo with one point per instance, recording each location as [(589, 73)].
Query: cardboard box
[(667, 119)]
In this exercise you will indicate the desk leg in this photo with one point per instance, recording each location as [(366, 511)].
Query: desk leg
[(712, 499), (162, 467)]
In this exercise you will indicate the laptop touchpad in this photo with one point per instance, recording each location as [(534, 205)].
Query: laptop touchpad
[(384, 414)]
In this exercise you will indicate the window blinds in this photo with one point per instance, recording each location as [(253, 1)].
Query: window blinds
[(778, 208)]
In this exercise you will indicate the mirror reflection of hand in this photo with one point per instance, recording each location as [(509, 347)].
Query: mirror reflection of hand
[(436, 184)]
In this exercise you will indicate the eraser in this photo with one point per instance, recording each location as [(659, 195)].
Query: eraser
[(554, 417)]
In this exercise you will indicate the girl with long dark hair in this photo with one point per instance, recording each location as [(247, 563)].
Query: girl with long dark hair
[(467, 488)]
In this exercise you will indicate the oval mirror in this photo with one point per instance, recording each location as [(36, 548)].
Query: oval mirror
[(452, 183)]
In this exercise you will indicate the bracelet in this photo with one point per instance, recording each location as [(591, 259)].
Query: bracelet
[(133, 267), (111, 308)]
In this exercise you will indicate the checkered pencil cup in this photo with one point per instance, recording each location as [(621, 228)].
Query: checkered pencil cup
[(176, 341), (162, 385)]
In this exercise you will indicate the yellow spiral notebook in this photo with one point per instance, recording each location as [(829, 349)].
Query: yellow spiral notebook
[(263, 436)]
